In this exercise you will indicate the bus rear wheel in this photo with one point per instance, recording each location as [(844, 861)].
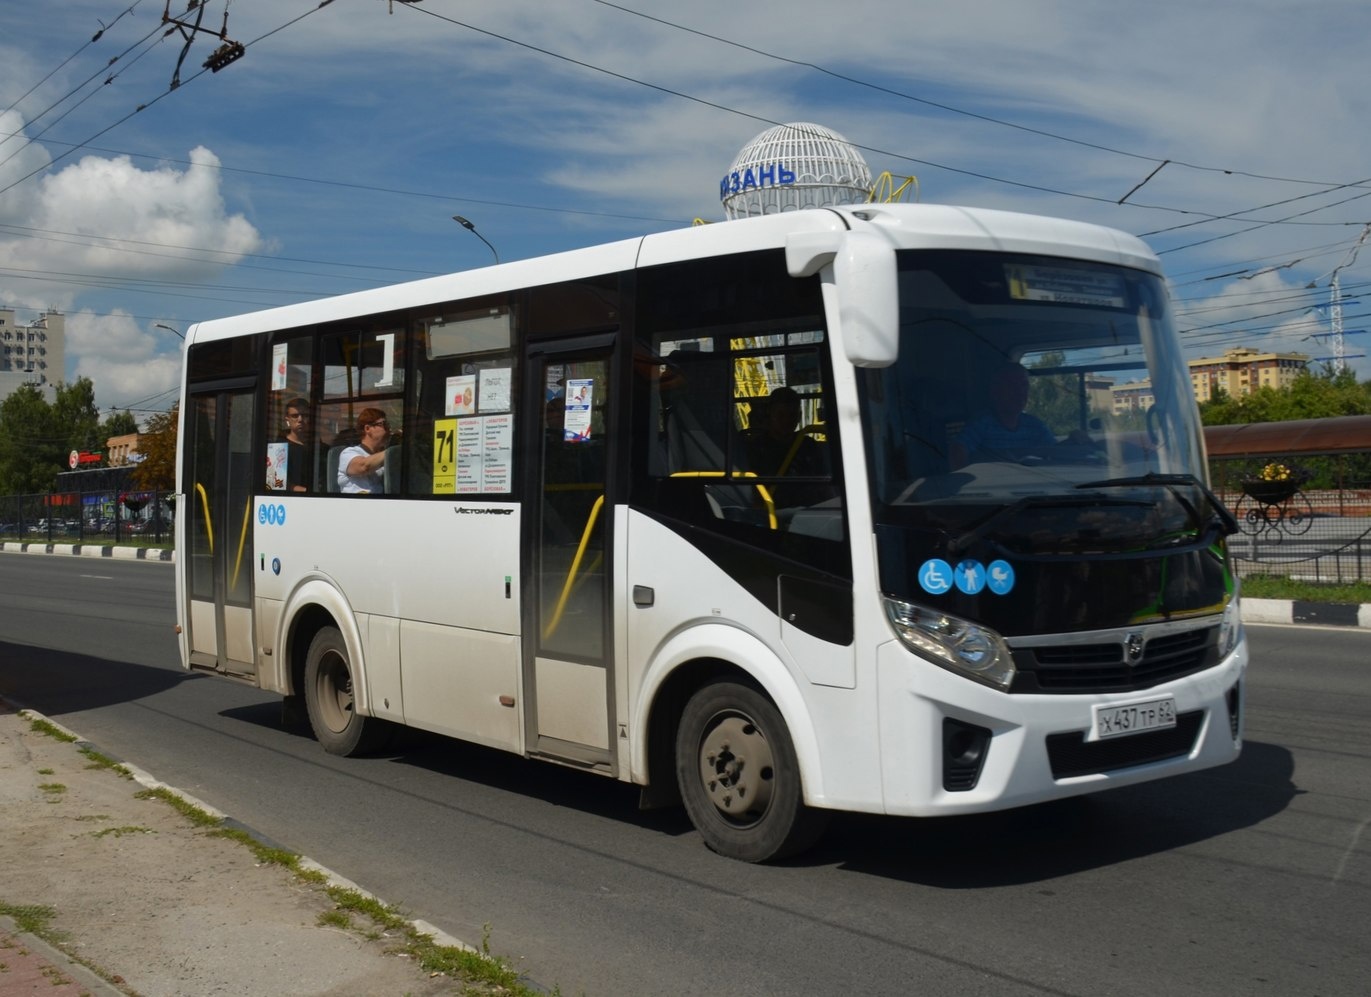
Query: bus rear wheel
[(739, 777), (329, 699)]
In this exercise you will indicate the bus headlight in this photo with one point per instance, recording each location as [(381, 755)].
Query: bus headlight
[(1230, 627), (957, 644)]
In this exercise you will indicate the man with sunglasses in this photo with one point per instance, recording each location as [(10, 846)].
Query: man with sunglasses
[(299, 466), (360, 466)]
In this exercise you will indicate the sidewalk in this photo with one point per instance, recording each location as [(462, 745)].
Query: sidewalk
[(131, 897)]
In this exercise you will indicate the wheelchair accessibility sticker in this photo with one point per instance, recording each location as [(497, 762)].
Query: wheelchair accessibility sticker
[(937, 577), (271, 515)]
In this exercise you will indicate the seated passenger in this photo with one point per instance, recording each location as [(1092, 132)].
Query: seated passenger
[(361, 466), (775, 448), (773, 445), (1006, 432)]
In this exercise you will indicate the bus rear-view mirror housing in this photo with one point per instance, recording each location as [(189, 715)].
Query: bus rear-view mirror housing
[(865, 274)]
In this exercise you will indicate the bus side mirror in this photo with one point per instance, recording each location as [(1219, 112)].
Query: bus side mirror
[(866, 277)]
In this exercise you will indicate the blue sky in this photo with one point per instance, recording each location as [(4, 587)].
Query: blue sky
[(332, 156)]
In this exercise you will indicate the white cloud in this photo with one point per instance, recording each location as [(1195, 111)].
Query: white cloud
[(127, 364), (142, 222), (105, 222)]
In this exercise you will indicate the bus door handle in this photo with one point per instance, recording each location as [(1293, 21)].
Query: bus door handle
[(643, 596)]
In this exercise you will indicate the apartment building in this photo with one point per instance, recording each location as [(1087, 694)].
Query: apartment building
[(32, 354), (1240, 371)]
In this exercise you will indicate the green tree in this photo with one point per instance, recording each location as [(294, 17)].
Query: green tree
[(157, 472), (1312, 395), (1056, 398), (31, 449), (36, 437), (75, 415), (118, 424)]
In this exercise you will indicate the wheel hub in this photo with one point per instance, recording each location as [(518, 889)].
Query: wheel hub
[(736, 769), (335, 694)]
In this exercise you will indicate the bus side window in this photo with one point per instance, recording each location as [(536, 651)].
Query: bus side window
[(363, 373), (291, 443)]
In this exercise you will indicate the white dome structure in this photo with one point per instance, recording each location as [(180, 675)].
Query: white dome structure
[(792, 167)]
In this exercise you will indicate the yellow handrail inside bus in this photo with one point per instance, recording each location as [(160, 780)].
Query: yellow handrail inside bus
[(242, 542), (204, 504), (815, 429), (575, 567), (761, 489)]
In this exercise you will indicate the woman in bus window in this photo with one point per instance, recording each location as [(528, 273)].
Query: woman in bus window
[(360, 465)]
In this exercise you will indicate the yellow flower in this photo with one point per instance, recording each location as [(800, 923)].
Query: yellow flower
[(1275, 472)]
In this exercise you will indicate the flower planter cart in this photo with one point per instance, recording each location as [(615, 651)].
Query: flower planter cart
[(1273, 507)]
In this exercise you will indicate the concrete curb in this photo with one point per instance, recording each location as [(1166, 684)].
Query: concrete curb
[(87, 980), (88, 550), (1297, 611)]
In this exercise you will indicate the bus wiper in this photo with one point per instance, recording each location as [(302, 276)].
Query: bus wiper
[(1171, 482), (1027, 502)]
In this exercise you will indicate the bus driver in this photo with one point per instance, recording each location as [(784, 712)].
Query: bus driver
[(1006, 431)]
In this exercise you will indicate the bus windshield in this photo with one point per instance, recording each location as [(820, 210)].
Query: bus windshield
[(1040, 408)]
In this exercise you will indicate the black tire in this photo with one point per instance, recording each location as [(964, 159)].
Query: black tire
[(739, 777), (329, 700)]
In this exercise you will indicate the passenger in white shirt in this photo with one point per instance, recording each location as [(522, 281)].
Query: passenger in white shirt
[(361, 466)]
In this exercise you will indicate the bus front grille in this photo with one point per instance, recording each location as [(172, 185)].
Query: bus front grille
[(1104, 667)]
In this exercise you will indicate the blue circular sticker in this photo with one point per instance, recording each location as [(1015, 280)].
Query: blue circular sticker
[(262, 514), (970, 577), (275, 565), (935, 576), (1000, 577), (281, 515)]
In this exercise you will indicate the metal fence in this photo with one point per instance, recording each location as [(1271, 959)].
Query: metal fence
[(108, 517), (1313, 524)]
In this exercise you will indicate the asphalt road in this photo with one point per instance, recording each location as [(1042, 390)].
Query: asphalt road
[(1255, 878)]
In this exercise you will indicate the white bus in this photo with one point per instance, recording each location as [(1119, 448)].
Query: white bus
[(727, 513)]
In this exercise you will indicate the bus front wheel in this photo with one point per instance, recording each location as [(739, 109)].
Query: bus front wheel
[(739, 776), (329, 700)]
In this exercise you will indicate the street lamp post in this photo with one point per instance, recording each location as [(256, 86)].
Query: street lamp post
[(472, 229), (159, 325)]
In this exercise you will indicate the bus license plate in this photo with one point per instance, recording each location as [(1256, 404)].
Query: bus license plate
[(1134, 718)]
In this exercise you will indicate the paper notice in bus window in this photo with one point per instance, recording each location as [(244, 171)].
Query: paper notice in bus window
[(1065, 285), (495, 392), (485, 454), (278, 366), (461, 395), (469, 456), (277, 456), (579, 394), (497, 445), (444, 456)]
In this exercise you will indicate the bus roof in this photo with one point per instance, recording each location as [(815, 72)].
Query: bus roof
[(906, 226)]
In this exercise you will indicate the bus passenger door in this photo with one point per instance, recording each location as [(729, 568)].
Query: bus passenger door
[(568, 677), (219, 476)]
